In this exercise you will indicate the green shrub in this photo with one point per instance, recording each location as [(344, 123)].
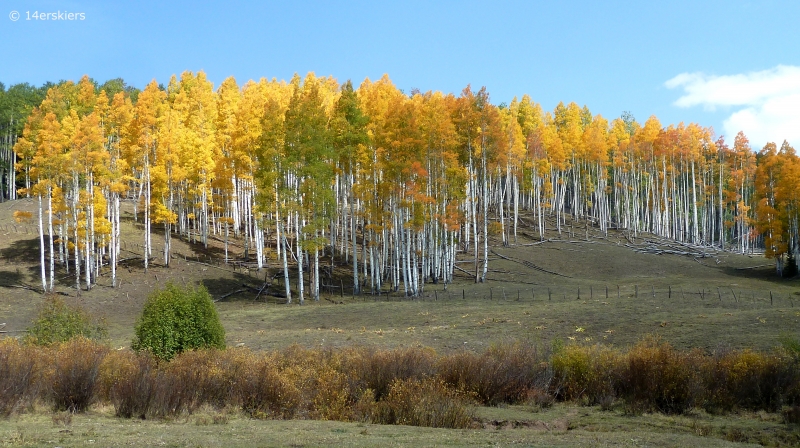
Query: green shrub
[(177, 319), (57, 321)]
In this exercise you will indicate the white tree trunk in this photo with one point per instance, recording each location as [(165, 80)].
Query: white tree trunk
[(298, 246), (50, 230), (41, 245)]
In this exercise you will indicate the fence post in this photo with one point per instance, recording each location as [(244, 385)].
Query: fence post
[(636, 291), (670, 292), (549, 295)]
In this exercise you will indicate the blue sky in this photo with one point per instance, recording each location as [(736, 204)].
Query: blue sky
[(728, 64)]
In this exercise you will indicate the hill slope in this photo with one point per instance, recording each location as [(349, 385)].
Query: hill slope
[(578, 285)]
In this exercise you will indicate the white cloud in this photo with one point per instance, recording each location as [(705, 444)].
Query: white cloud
[(767, 103)]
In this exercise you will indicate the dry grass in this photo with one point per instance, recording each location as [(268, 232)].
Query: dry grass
[(560, 425)]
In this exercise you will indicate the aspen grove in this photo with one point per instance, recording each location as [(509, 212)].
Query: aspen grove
[(396, 184)]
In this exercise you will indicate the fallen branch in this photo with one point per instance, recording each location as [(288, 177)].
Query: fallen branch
[(530, 265), (754, 267), (462, 270), (266, 285), (29, 288), (538, 242), (229, 294), (210, 265)]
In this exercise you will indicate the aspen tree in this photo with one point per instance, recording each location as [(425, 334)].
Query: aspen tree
[(119, 114), (46, 170), (308, 156), (350, 140), (139, 148)]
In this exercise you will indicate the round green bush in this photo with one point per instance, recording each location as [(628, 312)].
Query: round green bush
[(58, 321), (176, 319)]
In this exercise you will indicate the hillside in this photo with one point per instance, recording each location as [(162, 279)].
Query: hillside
[(579, 285)]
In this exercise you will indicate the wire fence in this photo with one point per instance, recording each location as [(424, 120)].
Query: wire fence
[(699, 295)]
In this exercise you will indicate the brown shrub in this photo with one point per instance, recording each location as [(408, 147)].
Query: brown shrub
[(656, 377), (589, 373), (74, 377), (128, 379), (427, 402), (139, 385), (750, 380), (540, 398), (132, 380), (201, 376), (502, 374), (377, 369), (323, 388), (365, 407), (18, 376), (407, 386), (263, 392)]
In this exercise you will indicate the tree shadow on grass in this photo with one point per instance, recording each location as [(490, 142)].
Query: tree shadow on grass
[(9, 279), (242, 287), (22, 251), (764, 273)]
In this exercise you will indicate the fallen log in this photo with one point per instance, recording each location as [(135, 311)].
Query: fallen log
[(229, 294)]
